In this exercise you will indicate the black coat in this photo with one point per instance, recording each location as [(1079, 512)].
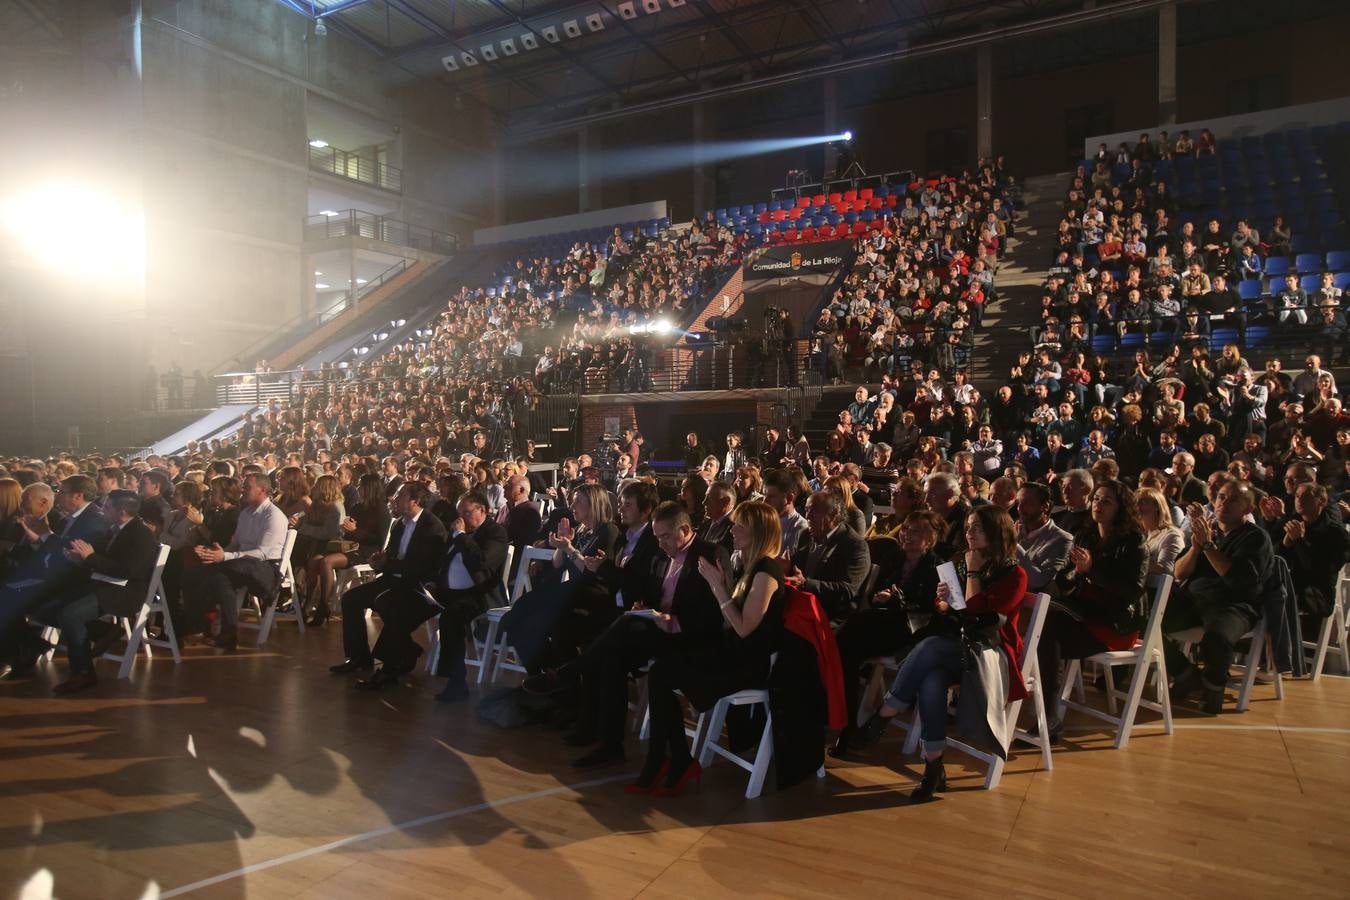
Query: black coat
[(425, 550), (131, 555), (837, 577), (695, 606), (718, 533), (484, 555)]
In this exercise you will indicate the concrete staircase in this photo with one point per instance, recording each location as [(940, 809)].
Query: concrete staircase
[(1018, 281)]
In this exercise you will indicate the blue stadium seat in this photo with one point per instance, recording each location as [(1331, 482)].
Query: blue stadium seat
[(761, 207), (1249, 290), (1308, 262), (720, 214), (1304, 244), (1342, 280), (1338, 260), (1220, 336), (1276, 266), (1310, 283), (1257, 335), (1103, 343)]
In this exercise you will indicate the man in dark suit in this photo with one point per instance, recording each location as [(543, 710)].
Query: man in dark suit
[(837, 563), (717, 506), (694, 451), (119, 581), (410, 560), (942, 495), (683, 604), (468, 584), (519, 517), (41, 570)]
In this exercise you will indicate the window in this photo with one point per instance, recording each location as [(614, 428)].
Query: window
[(1249, 95), (948, 149), (1083, 122)]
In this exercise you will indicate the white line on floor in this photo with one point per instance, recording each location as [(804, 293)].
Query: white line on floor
[(390, 829)]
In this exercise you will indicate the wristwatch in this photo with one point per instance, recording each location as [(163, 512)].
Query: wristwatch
[(1209, 545)]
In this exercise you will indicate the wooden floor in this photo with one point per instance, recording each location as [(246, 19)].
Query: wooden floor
[(258, 774)]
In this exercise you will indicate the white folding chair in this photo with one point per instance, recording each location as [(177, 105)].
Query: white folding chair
[(1335, 631), (135, 631), (1146, 658), (1011, 709), (267, 617), (494, 616), (708, 735), (1260, 651)]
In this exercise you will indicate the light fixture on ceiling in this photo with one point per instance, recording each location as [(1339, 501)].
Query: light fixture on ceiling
[(361, 281), (627, 11), (451, 64), (675, 4), (320, 29), (572, 28), (320, 286), (595, 23), (651, 6), (529, 41), (469, 59), (318, 143), (488, 52), (509, 47), (328, 212)]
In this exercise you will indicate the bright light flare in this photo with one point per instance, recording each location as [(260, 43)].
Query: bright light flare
[(77, 230), (847, 136)]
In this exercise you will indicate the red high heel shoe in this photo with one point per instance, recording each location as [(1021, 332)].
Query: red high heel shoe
[(638, 787), (694, 773)]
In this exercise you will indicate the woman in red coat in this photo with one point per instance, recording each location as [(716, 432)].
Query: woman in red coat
[(995, 583)]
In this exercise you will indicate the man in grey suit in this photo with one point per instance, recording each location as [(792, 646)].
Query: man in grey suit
[(1042, 546)]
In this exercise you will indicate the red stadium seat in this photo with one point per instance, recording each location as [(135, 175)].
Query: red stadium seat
[(892, 201), (874, 203), (818, 200), (803, 202), (866, 193), (778, 215), (850, 196), (836, 198), (762, 218), (859, 205)]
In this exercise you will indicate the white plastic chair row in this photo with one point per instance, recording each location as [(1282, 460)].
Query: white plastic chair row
[(1335, 632), (482, 661), (708, 734), (1146, 658), (1260, 652)]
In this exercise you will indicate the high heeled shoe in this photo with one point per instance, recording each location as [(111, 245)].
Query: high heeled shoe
[(934, 781), (318, 616), (646, 787), (692, 772), (871, 731)]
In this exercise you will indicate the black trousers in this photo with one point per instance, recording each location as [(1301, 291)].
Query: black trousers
[(881, 631), (1062, 637), (1224, 626), (401, 609), (218, 585), (627, 644), (461, 608)]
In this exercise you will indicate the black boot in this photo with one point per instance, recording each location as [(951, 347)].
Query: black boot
[(871, 731), (1186, 685), (934, 781)]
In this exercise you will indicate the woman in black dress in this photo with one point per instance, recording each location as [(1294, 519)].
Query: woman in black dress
[(366, 523), (751, 598)]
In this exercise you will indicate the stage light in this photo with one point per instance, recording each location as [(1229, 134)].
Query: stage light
[(318, 144), (328, 212), (77, 230), (320, 286), (661, 326), (848, 136)]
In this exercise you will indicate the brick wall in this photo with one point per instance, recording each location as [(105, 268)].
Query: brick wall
[(594, 417), (734, 291)]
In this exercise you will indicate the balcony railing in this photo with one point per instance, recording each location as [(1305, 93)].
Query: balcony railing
[(344, 164), (359, 223)]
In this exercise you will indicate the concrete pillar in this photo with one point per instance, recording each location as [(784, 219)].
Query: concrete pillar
[(831, 126), (583, 169), (984, 101), (700, 170), (498, 187), (1167, 64)]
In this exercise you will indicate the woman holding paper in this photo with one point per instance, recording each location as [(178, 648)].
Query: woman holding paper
[(994, 585), (1101, 595), (751, 599)]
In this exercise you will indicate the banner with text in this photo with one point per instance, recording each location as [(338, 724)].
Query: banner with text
[(800, 259)]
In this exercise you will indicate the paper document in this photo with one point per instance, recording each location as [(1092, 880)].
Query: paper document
[(947, 574), (108, 579), (649, 613)]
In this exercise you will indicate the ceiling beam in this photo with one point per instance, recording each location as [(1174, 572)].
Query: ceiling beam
[(1048, 25), (339, 7), (669, 64), (730, 33), (50, 25)]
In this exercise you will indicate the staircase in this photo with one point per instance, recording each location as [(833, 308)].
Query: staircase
[(825, 416), (1018, 282)]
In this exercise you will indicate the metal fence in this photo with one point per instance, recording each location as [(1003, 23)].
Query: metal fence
[(345, 164), (349, 223)]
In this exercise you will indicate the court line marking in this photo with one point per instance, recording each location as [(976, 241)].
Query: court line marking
[(564, 788), (389, 829)]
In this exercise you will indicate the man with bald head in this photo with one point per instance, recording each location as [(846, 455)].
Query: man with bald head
[(519, 515)]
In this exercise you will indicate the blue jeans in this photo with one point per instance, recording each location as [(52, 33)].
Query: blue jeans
[(73, 618), (924, 677)]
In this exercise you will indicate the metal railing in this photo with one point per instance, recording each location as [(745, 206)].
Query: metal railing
[(349, 223), (345, 164)]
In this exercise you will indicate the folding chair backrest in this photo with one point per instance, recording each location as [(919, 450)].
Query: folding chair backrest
[(1162, 590), (529, 555), (1039, 608), (284, 564), (506, 568), (157, 574)]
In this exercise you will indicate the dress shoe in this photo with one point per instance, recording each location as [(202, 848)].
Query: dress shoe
[(227, 641), (599, 757), (550, 681), (454, 692), (79, 682), (378, 681), (677, 781), (20, 672), (1211, 704), (352, 665), (1186, 685)]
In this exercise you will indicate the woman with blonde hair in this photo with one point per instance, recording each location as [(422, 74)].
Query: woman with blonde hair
[(751, 601), (853, 516), (292, 494), (1163, 540), (366, 524), (11, 530)]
